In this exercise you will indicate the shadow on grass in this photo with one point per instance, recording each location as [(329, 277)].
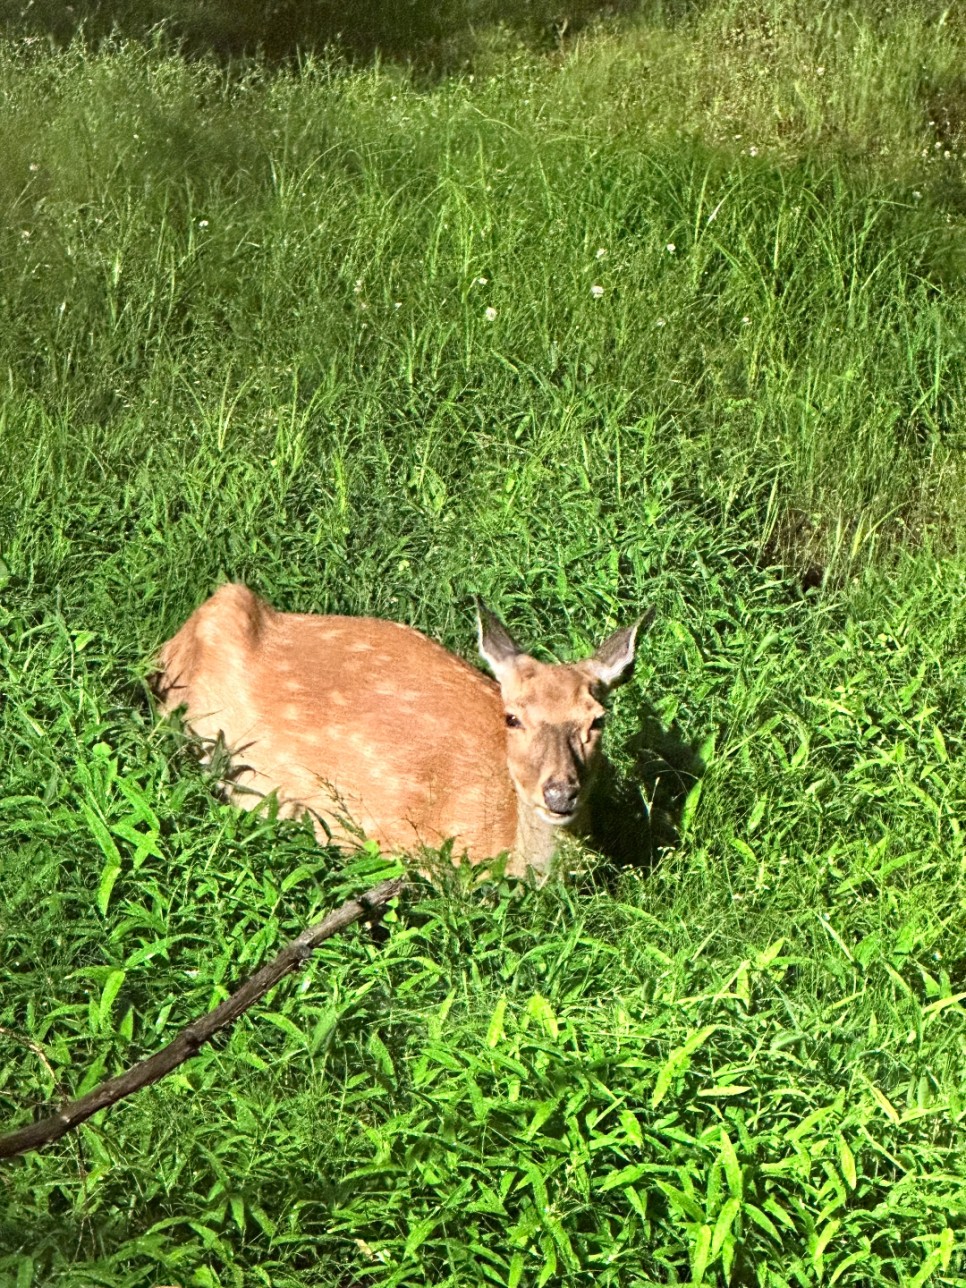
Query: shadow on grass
[(634, 819), (442, 34)]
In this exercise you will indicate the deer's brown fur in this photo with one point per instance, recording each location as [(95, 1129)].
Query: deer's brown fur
[(376, 730)]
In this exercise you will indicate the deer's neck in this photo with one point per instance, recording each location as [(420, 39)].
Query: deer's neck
[(537, 842)]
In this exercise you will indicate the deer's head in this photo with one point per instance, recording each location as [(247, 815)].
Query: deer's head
[(554, 715)]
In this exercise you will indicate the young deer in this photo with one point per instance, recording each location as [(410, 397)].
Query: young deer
[(376, 730)]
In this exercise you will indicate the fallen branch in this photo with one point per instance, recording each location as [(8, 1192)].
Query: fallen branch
[(190, 1040)]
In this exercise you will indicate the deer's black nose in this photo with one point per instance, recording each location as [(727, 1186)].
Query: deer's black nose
[(560, 797)]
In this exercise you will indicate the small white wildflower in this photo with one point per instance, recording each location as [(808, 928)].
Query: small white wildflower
[(25, 234), (33, 167), (937, 145), (596, 291), (661, 322), (481, 281), (819, 71), (398, 304), (601, 254), (671, 248), (746, 320), (752, 151), (917, 196), (947, 154), (358, 286), (202, 223), (490, 314)]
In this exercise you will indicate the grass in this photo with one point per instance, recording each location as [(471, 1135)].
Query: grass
[(331, 331)]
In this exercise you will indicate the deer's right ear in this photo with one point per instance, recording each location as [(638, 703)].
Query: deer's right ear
[(614, 660), (497, 647)]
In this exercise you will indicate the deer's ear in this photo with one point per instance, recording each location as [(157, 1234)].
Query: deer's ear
[(497, 647), (613, 663)]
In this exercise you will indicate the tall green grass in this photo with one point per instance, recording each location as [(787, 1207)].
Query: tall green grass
[(334, 333)]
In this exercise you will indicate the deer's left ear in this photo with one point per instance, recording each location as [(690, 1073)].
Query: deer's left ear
[(613, 663)]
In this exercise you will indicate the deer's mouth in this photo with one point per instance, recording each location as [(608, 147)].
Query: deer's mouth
[(554, 818)]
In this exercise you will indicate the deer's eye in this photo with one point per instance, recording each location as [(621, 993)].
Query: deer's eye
[(598, 723), (513, 722)]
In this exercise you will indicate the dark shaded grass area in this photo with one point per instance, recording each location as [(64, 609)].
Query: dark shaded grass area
[(443, 34)]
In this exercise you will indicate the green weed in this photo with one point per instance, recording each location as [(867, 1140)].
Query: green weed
[(671, 316)]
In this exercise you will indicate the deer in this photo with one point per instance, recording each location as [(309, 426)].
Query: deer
[(378, 732)]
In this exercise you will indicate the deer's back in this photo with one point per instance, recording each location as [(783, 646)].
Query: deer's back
[(347, 717)]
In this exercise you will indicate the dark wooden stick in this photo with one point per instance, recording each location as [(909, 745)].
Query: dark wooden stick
[(190, 1040)]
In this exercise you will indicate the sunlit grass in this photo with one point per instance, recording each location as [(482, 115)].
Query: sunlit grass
[(673, 317)]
